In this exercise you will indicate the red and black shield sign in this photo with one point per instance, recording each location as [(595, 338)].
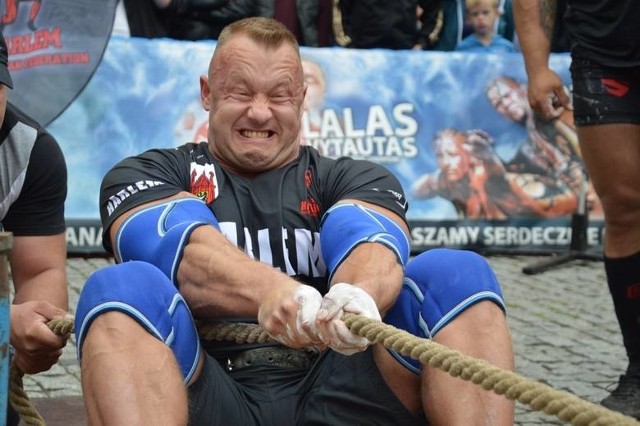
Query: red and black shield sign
[(54, 49)]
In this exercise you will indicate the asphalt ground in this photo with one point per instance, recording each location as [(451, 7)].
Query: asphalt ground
[(562, 322)]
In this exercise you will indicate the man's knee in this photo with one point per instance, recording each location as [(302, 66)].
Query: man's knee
[(113, 329), (143, 293), (439, 285), (621, 214)]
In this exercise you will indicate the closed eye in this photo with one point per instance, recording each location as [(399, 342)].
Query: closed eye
[(280, 97), (241, 96)]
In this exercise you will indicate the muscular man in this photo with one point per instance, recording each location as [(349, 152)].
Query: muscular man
[(33, 188), (253, 226), (605, 70), (476, 181)]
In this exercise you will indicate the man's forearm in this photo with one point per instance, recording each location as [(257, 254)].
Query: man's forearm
[(38, 266), (219, 280), (50, 285), (374, 268), (535, 20)]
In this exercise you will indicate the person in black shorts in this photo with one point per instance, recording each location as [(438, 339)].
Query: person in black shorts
[(33, 189), (605, 70), (252, 226)]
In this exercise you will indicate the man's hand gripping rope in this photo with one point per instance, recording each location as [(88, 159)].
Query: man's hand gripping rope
[(313, 320), (343, 298)]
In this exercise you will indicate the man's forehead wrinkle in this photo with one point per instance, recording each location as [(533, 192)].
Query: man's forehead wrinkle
[(229, 66)]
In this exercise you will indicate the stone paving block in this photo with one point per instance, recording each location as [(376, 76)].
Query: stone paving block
[(526, 417)]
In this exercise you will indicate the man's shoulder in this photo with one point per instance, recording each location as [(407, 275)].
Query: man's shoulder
[(26, 139), (15, 115), (189, 152), (160, 164), (309, 154), (20, 128)]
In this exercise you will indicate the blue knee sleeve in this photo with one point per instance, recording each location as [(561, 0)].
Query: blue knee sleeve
[(158, 234), (143, 292), (439, 284)]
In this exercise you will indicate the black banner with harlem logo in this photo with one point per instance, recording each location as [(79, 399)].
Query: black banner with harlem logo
[(54, 49)]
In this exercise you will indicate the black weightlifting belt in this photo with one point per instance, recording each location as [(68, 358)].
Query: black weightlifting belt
[(279, 357)]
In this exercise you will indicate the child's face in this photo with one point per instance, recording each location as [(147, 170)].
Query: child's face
[(483, 16)]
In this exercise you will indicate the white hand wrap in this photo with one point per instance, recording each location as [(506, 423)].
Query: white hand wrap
[(309, 300), (343, 297)]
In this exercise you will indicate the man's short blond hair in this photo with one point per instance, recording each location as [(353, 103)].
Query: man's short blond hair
[(264, 31)]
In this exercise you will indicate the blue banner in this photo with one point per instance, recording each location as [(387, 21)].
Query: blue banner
[(479, 169)]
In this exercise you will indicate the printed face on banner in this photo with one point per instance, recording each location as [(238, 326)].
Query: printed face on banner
[(316, 85), (452, 158), (509, 98)]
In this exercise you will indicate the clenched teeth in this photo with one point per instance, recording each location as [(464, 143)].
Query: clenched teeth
[(255, 133)]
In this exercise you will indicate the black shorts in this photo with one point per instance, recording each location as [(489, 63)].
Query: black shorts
[(604, 95), (337, 390)]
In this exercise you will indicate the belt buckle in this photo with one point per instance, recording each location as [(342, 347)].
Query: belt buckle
[(229, 366)]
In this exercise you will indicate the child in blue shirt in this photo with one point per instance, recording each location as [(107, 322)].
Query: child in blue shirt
[(483, 15)]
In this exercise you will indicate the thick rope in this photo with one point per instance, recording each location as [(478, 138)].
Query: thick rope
[(20, 400), (564, 405), (17, 396)]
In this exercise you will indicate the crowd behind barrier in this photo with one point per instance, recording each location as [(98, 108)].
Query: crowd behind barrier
[(403, 24)]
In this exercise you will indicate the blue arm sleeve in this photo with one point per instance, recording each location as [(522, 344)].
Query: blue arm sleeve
[(345, 226), (158, 234)]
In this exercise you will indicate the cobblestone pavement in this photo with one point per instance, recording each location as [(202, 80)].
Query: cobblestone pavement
[(563, 326)]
